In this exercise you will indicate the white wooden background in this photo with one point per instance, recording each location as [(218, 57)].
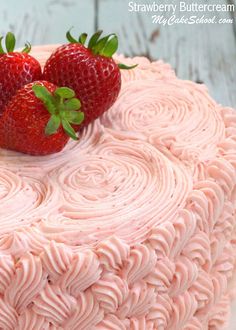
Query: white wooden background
[(204, 53)]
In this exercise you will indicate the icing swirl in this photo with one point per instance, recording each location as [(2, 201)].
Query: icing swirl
[(175, 114)]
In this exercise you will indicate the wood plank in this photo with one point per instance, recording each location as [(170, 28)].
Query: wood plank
[(203, 52), (45, 21), (233, 15)]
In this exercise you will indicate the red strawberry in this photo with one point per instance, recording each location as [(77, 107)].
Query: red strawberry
[(90, 72), (38, 119), (16, 69)]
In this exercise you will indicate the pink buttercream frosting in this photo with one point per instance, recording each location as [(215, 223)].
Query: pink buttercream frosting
[(132, 227)]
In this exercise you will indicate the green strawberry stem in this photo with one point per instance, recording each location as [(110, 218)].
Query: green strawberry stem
[(63, 107), (106, 46), (10, 42), (126, 67)]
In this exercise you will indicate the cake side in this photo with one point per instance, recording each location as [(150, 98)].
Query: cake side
[(132, 227)]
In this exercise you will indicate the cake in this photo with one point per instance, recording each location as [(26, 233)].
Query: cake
[(132, 227)]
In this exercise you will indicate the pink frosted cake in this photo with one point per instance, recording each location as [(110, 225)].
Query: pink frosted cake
[(132, 227)]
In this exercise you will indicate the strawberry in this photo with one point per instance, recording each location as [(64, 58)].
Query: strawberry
[(90, 71), (37, 120), (16, 69)]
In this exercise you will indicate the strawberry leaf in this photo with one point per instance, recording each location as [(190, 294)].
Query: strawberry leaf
[(41, 92), (1, 49), (52, 125), (64, 92), (10, 42), (93, 40), (126, 67), (27, 48), (75, 117), (72, 104), (45, 96), (69, 129), (82, 38), (110, 47), (71, 39), (97, 49), (105, 46)]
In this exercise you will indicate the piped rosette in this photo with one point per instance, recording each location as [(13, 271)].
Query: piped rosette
[(24, 200), (146, 70), (107, 190), (176, 115)]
